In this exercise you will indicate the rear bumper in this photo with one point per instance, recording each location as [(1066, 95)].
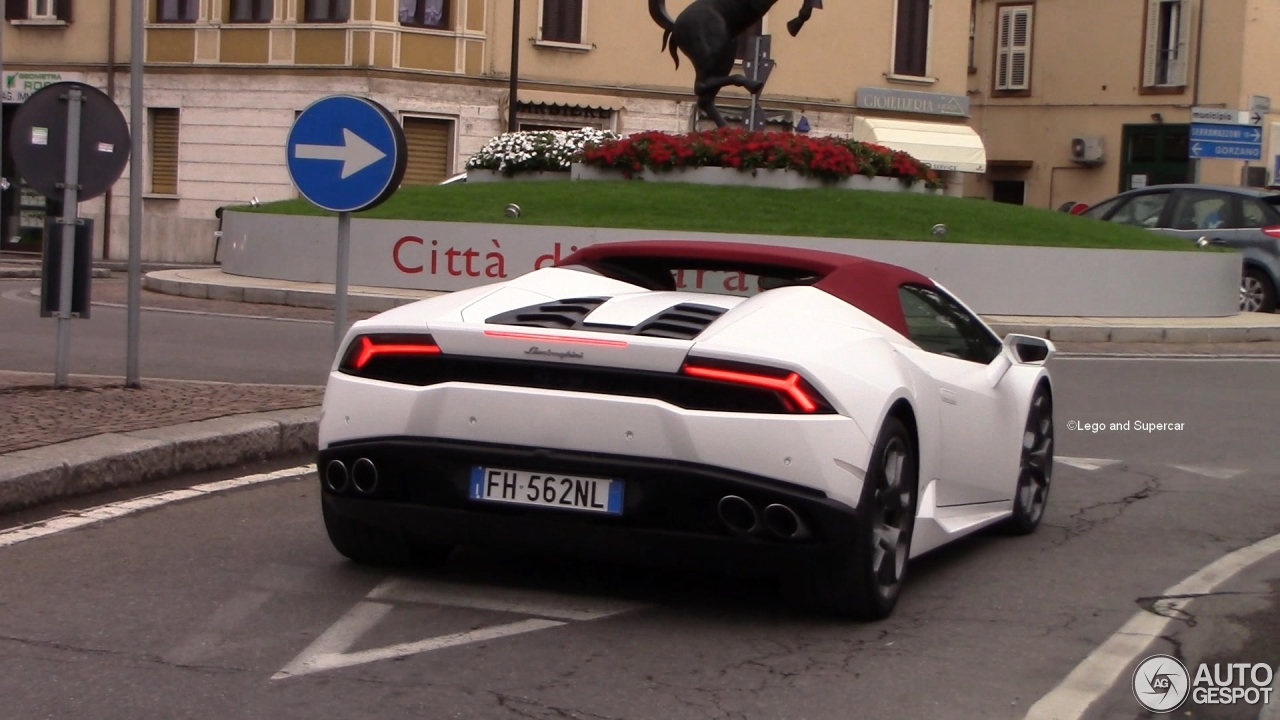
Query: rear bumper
[(826, 452), (669, 508)]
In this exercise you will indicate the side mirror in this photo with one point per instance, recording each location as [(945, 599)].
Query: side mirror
[(1019, 350)]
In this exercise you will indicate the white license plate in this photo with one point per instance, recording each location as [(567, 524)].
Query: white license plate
[(567, 492)]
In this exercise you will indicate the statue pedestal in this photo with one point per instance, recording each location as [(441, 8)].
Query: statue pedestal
[(776, 179)]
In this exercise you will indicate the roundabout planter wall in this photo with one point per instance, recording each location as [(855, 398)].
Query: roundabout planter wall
[(768, 178), (992, 279)]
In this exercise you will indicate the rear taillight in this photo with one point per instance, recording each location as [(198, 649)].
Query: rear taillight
[(366, 348), (795, 392), (1273, 231)]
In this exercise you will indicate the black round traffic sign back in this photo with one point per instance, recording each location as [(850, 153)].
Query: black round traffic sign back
[(38, 140)]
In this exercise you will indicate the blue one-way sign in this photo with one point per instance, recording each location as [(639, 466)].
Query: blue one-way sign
[(346, 154), (1228, 142)]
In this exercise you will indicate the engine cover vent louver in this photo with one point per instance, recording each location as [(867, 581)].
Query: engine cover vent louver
[(559, 315), (682, 322)]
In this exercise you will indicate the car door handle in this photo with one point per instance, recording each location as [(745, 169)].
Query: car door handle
[(949, 397)]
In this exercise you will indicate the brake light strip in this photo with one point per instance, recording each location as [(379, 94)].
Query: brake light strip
[(789, 385), (369, 350)]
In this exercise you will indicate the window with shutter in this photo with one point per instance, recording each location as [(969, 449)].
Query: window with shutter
[(1013, 48), (252, 11), (164, 151), (175, 11), (16, 9), (425, 13), (327, 11), (428, 143), (562, 21), (1167, 46), (911, 39)]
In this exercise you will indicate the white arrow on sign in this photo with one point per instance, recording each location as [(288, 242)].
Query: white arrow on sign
[(1256, 135), (355, 153), (1195, 149)]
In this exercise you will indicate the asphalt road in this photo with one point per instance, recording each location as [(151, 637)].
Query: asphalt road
[(234, 605), (174, 345)]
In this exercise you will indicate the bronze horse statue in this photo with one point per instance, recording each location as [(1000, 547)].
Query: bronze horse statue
[(707, 33)]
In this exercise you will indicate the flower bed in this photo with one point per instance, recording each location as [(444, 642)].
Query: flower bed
[(542, 150), (828, 159)]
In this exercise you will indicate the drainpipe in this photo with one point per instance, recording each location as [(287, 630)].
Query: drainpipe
[(513, 90), (1195, 93), (111, 93)]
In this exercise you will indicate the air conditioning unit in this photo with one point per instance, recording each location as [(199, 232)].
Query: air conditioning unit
[(1087, 150)]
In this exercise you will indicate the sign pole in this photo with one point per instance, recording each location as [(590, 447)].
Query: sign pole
[(70, 192), (135, 198), (340, 282)]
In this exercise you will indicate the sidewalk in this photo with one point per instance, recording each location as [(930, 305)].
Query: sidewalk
[(99, 435)]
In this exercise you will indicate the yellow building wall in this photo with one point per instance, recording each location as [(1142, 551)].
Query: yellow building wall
[(244, 46), (83, 41), (844, 46)]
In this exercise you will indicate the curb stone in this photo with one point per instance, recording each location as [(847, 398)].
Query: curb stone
[(114, 460)]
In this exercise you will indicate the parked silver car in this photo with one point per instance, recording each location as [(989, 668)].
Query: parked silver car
[(1246, 219)]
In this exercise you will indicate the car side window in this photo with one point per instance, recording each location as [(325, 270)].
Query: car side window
[(1099, 211), (1202, 210), (939, 324), (1141, 210), (1254, 213)]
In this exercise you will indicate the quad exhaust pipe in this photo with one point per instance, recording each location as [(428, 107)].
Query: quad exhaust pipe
[(784, 522), (780, 520), (737, 514), (364, 476), (336, 476)]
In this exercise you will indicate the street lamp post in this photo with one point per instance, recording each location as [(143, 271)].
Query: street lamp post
[(515, 66)]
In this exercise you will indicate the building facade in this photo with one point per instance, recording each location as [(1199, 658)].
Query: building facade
[(1078, 101), (225, 80)]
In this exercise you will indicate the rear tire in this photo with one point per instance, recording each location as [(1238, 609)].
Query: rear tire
[(864, 582), (369, 545), (1257, 292), (1035, 471)]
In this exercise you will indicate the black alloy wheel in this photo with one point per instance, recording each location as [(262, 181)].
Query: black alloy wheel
[(864, 582), (1035, 470), (1257, 293)]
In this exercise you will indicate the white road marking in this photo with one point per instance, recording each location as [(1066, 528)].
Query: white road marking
[(91, 516), (329, 651), (312, 662), (1211, 472), (1086, 463), (1094, 676), (222, 621), (1271, 711), (519, 602)]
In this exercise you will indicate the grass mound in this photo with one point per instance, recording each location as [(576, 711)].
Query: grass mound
[(827, 212)]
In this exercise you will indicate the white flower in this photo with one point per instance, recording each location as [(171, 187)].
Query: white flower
[(536, 150)]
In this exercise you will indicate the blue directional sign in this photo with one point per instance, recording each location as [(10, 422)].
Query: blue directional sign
[(1228, 142), (346, 154)]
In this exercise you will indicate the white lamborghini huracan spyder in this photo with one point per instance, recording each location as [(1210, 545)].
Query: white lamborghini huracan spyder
[(819, 416)]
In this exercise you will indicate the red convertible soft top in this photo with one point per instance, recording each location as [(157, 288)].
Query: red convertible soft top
[(866, 284)]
